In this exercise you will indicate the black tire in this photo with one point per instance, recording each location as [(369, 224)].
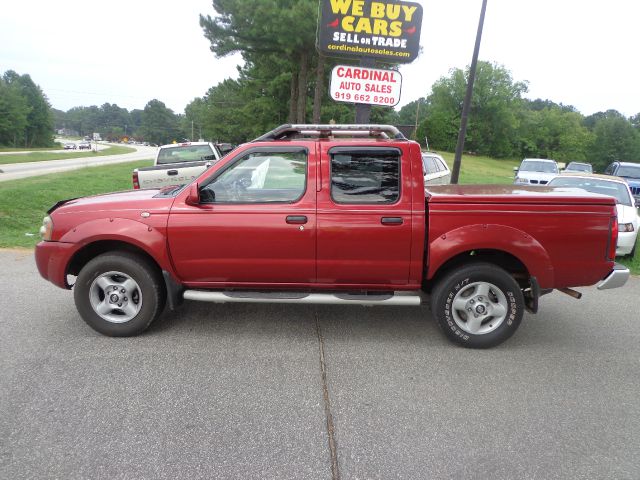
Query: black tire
[(464, 286), (146, 302)]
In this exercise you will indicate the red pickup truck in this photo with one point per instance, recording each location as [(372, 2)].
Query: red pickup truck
[(330, 214)]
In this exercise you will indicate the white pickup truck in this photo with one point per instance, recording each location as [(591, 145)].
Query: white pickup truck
[(178, 163)]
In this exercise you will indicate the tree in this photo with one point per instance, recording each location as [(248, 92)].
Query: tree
[(284, 30), (493, 119), (615, 139), (38, 131), (553, 131), (159, 124), (14, 111)]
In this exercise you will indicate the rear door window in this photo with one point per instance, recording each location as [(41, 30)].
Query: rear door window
[(367, 175)]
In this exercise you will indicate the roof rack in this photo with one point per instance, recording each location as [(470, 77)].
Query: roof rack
[(327, 130)]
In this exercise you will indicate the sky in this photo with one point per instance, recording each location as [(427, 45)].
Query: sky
[(576, 52)]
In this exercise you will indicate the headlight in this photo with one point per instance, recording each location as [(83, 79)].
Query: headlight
[(625, 227), (46, 230), (521, 180)]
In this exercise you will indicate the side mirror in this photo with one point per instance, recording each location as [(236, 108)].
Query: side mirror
[(515, 169), (193, 197)]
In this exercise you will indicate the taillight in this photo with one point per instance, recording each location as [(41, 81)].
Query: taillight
[(613, 240), (136, 182)]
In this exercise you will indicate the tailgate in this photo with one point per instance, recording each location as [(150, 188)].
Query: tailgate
[(170, 174)]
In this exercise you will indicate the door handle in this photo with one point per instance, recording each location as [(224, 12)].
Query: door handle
[(172, 172), (391, 220), (297, 219)]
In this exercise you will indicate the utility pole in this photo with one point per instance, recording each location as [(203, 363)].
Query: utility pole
[(455, 172), (363, 110)]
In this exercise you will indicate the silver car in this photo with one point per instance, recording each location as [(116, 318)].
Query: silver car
[(435, 170)]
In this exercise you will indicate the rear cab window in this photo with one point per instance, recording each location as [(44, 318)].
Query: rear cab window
[(185, 153)]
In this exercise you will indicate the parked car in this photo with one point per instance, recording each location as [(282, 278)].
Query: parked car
[(625, 204), (177, 164), (630, 172), (578, 167), (70, 146), (435, 169), (329, 214), (84, 146), (535, 171)]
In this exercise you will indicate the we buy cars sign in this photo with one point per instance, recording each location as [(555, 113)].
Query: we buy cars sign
[(388, 31), (365, 85)]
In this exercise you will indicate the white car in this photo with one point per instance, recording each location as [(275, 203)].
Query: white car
[(619, 189), (435, 170), (535, 171)]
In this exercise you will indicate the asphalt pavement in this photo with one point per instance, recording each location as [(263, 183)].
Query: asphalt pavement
[(318, 392)]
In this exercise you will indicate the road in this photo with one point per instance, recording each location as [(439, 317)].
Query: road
[(62, 141), (14, 171), (237, 391)]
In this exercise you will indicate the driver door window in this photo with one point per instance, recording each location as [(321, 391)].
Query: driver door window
[(260, 177)]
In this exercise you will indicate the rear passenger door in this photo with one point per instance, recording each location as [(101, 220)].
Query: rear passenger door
[(363, 216)]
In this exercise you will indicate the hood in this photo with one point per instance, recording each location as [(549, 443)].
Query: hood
[(536, 175), (632, 181), (133, 199)]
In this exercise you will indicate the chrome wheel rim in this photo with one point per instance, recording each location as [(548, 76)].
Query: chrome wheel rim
[(479, 308), (115, 297)]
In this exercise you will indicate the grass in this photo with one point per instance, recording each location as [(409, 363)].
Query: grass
[(483, 170), (39, 149), (44, 156), (23, 203)]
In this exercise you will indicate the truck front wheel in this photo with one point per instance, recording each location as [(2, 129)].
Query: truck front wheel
[(119, 294), (478, 306)]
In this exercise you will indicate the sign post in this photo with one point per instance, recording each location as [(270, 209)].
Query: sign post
[(370, 31)]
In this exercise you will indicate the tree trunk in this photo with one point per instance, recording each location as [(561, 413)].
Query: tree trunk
[(293, 100), (319, 92), (303, 75)]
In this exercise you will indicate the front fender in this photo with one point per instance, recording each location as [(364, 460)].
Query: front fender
[(492, 237), (149, 238)]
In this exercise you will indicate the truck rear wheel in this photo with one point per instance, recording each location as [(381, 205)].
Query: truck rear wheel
[(119, 294), (478, 306)]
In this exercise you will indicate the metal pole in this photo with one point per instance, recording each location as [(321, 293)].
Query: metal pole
[(363, 110), (455, 172)]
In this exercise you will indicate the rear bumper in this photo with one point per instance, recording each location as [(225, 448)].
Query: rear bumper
[(626, 242), (52, 259), (616, 278)]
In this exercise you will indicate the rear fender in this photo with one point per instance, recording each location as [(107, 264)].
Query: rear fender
[(492, 237)]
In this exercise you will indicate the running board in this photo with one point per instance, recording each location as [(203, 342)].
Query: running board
[(396, 298)]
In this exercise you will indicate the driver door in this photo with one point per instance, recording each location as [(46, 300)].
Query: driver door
[(255, 224)]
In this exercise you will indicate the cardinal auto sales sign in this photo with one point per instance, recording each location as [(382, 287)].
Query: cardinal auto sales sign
[(365, 85), (386, 31)]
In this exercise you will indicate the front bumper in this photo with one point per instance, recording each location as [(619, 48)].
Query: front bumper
[(616, 278), (52, 259)]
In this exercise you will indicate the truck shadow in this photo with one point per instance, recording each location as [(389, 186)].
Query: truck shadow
[(336, 322)]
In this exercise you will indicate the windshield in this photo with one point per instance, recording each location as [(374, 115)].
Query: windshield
[(184, 153), (538, 166), (579, 167), (629, 171), (616, 190)]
